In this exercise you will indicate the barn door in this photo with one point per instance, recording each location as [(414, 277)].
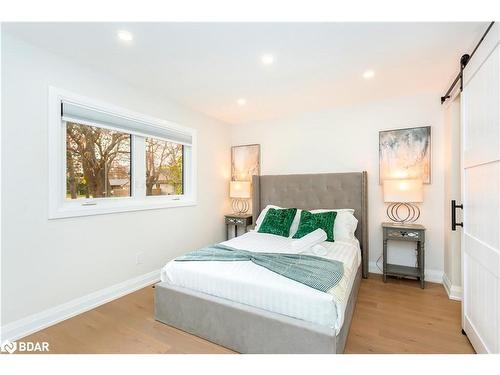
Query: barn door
[(481, 196)]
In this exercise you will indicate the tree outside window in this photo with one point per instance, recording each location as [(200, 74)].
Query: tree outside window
[(97, 162), (164, 167)]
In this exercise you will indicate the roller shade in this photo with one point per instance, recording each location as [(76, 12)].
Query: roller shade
[(72, 112)]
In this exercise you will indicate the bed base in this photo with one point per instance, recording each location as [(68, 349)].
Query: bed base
[(247, 329)]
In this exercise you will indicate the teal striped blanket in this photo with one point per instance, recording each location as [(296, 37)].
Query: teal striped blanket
[(316, 272)]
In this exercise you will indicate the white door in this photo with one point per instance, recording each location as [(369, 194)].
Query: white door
[(481, 196)]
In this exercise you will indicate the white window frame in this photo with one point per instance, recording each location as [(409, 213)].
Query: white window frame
[(61, 207)]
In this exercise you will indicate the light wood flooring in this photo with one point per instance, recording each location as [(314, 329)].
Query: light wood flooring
[(396, 317)]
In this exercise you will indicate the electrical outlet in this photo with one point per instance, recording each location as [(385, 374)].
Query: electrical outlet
[(138, 257)]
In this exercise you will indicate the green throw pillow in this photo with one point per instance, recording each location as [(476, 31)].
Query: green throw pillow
[(278, 221), (309, 222)]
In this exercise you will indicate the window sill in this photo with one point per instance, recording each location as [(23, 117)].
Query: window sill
[(127, 205)]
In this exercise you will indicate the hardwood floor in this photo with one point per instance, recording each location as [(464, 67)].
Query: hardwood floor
[(397, 317)]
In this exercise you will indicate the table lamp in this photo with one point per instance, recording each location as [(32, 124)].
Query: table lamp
[(239, 191), (402, 194)]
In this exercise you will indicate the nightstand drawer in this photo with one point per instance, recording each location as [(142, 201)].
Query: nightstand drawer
[(236, 221), (404, 234)]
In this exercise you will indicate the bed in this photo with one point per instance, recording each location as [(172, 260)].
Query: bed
[(249, 309)]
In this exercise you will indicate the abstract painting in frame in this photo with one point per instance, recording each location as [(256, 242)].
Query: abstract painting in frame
[(245, 162), (405, 153)]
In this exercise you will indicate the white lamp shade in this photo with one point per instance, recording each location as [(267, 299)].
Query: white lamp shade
[(239, 189), (403, 191)]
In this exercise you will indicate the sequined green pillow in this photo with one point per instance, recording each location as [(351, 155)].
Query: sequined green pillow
[(278, 222), (309, 222)]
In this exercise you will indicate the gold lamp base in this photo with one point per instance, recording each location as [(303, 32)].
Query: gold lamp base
[(240, 206), (394, 212)]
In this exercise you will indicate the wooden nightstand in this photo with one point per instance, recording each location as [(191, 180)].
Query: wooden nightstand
[(238, 221), (405, 232)]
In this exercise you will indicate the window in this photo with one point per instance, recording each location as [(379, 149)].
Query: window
[(114, 160), (97, 162), (164, 167)]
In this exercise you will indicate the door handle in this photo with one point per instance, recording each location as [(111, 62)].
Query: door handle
[(454, 207)]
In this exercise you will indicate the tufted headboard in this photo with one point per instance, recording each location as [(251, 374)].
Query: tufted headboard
[(314, 191)]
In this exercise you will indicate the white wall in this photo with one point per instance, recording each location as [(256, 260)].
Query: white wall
[(452, 190), (47, 263), (346, 140)]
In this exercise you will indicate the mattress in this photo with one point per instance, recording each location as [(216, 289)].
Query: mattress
[(250, 284)]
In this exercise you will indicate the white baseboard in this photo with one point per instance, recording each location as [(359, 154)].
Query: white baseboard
[(36, 322), (454, 291), (433, 276)]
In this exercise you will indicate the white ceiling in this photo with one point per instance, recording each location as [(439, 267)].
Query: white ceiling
[(208, 66)]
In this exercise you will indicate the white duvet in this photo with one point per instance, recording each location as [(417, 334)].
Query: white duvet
[(250, 284)]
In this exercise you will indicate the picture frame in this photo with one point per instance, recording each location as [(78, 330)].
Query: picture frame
[(405, 153), (245, 162)]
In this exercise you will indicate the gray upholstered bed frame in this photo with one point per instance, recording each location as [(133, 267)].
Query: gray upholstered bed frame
[(247, 329), (314, 191)]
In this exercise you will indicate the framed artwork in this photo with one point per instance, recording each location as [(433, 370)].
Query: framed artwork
[(405, 153), (245, 162)]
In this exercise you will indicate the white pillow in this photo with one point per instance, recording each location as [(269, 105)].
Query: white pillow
[(295, 223), (343, 228), (262, 215), (350, 210), (296, 220), (345, 223)]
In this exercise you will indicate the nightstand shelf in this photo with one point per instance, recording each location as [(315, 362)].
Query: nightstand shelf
[(399, 270), (405, 232)]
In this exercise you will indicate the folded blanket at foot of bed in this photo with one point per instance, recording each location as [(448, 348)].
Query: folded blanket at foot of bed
[(319, 273)]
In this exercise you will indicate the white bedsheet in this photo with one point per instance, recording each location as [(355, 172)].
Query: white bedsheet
[(250, 284)]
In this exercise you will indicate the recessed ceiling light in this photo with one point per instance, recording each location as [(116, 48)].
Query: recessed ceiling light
[(267, 59), (125, 35), (241, 102), (368, 74)]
